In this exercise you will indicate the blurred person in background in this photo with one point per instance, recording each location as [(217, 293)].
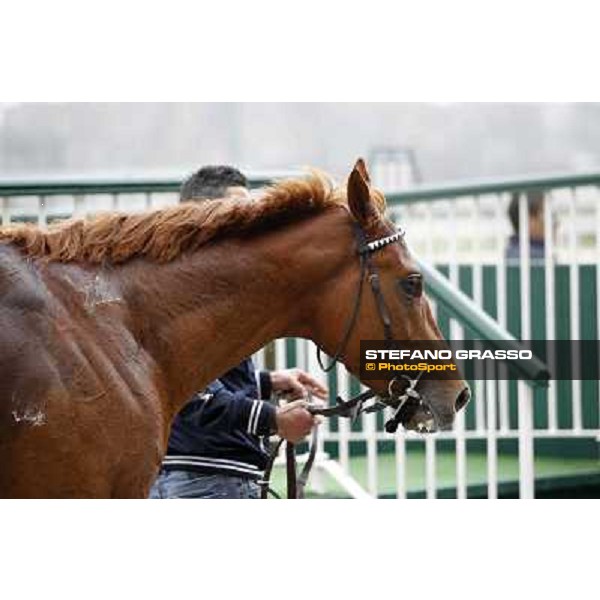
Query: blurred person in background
[(535, 203), (218, 446)]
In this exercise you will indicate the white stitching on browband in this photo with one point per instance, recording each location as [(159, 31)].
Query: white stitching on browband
[(372, 246)]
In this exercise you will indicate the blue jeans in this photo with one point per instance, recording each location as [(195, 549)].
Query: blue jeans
[(189, 484)]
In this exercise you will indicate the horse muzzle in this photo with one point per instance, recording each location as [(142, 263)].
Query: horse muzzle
[(416, 410)]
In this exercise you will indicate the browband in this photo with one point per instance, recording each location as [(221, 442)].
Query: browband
[(380, 243)]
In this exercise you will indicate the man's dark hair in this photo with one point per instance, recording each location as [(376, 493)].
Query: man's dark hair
[(535, 203), (211, 182)]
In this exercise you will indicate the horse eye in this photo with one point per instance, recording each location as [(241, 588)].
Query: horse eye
[(412, 285)]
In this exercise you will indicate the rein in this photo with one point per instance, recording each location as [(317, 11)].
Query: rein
[(357, 405)]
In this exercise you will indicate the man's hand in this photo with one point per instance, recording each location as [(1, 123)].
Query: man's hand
[(295, 384), (294, 422)]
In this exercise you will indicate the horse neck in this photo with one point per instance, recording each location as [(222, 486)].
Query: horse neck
[(205, 312)]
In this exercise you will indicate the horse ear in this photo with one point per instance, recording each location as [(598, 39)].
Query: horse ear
[(361, 167), (359, 197)]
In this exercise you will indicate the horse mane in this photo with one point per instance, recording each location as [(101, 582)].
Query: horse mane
[(163, 235)]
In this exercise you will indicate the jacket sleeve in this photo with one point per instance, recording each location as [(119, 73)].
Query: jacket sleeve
[(264, 384), (255, 417)]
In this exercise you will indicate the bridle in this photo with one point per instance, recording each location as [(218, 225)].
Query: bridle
[(369, 271), (357, 405)]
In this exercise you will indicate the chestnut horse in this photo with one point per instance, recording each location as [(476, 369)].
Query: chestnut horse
[(108, 325)]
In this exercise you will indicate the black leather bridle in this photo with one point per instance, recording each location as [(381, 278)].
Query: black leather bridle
[(368, 270), (357, 405)]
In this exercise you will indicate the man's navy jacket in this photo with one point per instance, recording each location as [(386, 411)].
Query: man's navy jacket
[(220, 430)]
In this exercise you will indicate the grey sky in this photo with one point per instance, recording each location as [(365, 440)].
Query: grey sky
[(449, 140)]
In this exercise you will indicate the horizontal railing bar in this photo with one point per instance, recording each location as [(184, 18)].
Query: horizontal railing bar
[(82, 184), (478, 187), (72, 185)]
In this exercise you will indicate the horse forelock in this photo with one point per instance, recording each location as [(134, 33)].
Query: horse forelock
[(163, 235)]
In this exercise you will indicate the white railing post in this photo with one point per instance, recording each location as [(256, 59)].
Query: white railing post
[(456, 333), (574, 317), (597, 279), (492, 434), (479, 390), (401, 462), (5, 210), (79, 207), (310, 364), (42, 211), (549, 262), (280, 353), (525, 393), (526, 441), (369, 428), (430, 468), (501, 290), (343, 424)]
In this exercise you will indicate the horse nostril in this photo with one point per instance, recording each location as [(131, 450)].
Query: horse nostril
[(463, 399)]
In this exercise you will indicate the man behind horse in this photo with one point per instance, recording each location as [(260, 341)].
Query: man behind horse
[(537, 233), (217, 447)]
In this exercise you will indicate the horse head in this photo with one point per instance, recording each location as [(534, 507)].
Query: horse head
[(379, 295)]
